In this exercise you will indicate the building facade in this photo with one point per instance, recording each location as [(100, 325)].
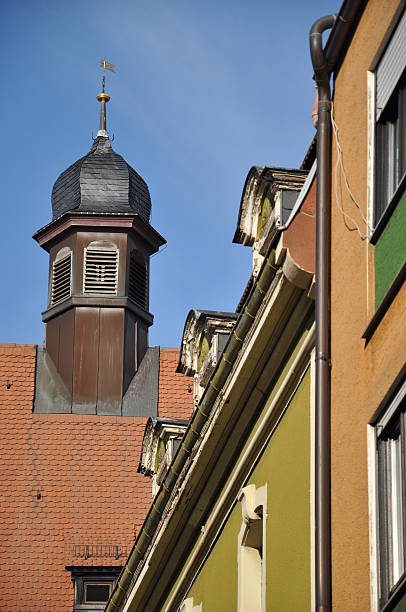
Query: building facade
[(368, 348)]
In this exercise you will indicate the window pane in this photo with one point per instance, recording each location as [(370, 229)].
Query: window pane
[(391, 184), (402, 136), (381, 170), (390, 149), (97, 593), (396, 510)]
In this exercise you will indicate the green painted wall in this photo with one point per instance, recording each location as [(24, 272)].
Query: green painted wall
[(285, 466), (401, 607), (390, 251), (217, 584)]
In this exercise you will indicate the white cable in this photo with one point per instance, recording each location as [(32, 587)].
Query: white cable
[(339, 164)]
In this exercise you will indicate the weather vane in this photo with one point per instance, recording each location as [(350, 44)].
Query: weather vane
[(103, 97), (106, 66)]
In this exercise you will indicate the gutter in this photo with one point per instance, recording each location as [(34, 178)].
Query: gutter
[(199, 419), (324, 61)]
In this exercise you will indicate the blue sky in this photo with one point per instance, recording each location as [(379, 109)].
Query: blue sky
[(203, 90)]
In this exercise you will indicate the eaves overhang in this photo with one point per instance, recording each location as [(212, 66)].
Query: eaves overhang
[(74, 221), (342, 32), (84, 301)]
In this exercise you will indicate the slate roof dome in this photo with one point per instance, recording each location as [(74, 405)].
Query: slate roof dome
[(101, 182)]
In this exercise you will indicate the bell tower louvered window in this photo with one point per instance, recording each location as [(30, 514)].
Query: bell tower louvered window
[(61, 285), (137, 285), (101, 268)]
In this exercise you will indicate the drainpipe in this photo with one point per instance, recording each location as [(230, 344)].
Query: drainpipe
[(322, 298)]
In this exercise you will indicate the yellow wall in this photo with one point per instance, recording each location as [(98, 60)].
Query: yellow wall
[(285, 467), (360, 375)]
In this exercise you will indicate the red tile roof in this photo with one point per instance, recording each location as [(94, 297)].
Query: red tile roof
[(68, 481), (175, 400)]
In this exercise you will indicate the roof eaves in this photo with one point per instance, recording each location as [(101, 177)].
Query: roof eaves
[(343, 30)]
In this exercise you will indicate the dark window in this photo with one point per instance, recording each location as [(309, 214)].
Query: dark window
[(390, 149), (391, 450), (97, 592)]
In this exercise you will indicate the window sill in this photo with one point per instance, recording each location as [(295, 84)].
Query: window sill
[(383, 221), (396, 596), (385, 304)]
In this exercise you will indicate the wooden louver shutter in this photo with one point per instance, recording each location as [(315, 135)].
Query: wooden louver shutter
[(101, 270), (61, 279), (137, 286)]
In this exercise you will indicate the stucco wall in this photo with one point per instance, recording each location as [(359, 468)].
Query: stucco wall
[(285, 467), (361, 375)]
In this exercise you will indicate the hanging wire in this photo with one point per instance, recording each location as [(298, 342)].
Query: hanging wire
[(349, 221)]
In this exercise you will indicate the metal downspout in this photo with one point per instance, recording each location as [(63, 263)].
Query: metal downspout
[(322, 298)]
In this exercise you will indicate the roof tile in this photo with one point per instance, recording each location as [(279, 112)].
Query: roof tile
[(69, 480)]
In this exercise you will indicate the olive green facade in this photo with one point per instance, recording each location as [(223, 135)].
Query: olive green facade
[(285, 467)]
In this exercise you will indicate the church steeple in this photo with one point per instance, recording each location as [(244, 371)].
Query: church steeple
[(100, 242)]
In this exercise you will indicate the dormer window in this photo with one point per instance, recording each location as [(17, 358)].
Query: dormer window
[(93, 586), (61, 283), (204, 338), (137, 281), (162, 438), (218, 342), (100, 273), (267, 201)]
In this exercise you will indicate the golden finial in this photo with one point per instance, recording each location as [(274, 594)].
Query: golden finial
[(102, 97)]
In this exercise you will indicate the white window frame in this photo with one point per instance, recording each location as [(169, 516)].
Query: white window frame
[(373, 120), (254, 515), (377, 540), (188, 606)]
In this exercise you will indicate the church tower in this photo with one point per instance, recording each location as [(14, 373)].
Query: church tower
[(99, 241)]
